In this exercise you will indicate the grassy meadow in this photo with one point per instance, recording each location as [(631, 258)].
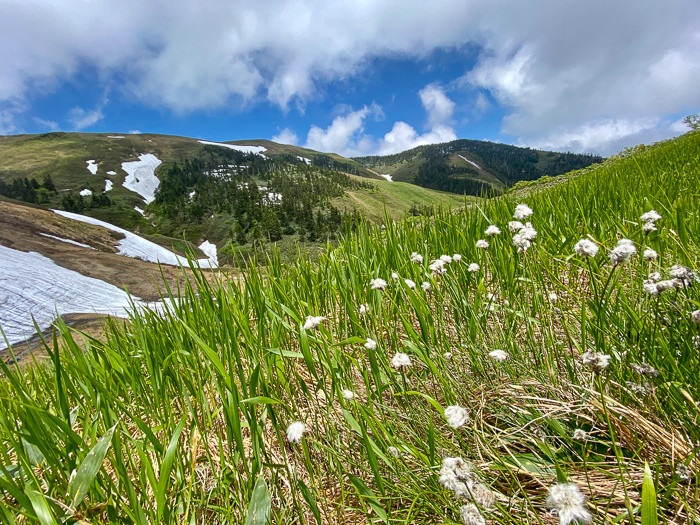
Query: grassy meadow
[(515, 386)]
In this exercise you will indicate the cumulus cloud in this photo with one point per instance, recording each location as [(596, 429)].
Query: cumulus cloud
[(439, 107), (403, 136), (134, 132), (286, 136), (82, 118), (344, 135), (546, 65), (46, 124)]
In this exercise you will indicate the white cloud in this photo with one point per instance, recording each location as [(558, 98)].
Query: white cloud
[(439, 107), (134, 132), (403, 136), (547, 65), (47, 124), (286, 136), (82, 118), (344, 135)]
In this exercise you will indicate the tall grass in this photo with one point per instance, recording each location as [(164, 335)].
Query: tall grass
[(179, 416)]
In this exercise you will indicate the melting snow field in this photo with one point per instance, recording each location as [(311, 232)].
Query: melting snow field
[(33, 285), (141, 176), (92, 167), (471, 162), (387, 177), (137, 247), (308, 161), (115, 136), (86, 192), (69, 241), (111, 173), (209, 250), (142, 212), (108, 185), (258, 150)]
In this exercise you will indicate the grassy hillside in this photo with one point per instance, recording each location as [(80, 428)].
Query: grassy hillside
[(513, 383), (473, 166)]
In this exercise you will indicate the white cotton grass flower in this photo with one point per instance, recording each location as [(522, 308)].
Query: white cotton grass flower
[(393, 451), (623, 252), (683, 472), (348, 395), (482, 244), (446, 259), (456, 416), (313, 322), (456, 257), (473, 268), (295, 431), (650, 255), (522, 212), (683, 273), (586, 248), (470, 515), (553, 298), (569, 503), (655, 277), (410, 284), (498, 355), (401, 360), (370, 344), (648, 227), (416, 258), (447, 356), (363, 309), (425, 285), (651, 216), (395, 276), (515, 226), (437, 266), (493, 230), (595, 361), (483, 495), (378, 284), (580, 435), (695, 317), (650, 288), (456, 475)]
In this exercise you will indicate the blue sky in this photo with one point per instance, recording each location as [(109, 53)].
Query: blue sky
[(355, 78)]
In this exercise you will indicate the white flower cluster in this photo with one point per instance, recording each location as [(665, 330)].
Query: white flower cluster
[(586, 248), (416, 258), (492, 230), (313, 322), (623, 252), (523, 239), (596, 361), (437, 267), (650, 255), (482, 244), (456, 416), (522, 212), (457, 476), (649, 218), (569, 503), (580, 435), (473, 268), (295, 431), (370, 344), (378, 284), (470, 515), (498, 355), (401, 360)]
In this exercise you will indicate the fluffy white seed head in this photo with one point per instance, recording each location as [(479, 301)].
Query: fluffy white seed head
[(395, 276), (416, 258), (553, 297), (378, 284), (492, 230), (446, 259), (425, 285), (456, 416), (650, 287), (456, 475), (522, 212), (371, 344), (648, 227), (695, 317), (569, 503), (498, 355), (313, 322), (437, 266), (295, 431), (473, 267), (514, 226), (683, 472), (410, 284), (654, 277), (596, 361), (650, 255), (363, 309), (394, 452), (483, 496), (456, 257), (586, 248), (469, 514), (521, 242), (580, 435), (482, 244), (348, 394), (623, 252), (447, 356), (401, 360), (650, 216)]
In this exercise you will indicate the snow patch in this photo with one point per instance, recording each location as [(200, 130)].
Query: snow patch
[(69, 241), (134, 246), (141, 176), (142, 212), (387, 177), (471, 162), (115, 136), (111, 173), (272, 198), (108, 185), (308, 161), (86, 192), (192, 194), (258, 150), (33, 285), (210, 251), (92, 167)]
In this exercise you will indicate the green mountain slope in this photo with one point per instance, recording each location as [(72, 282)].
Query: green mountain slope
[(473, 166)]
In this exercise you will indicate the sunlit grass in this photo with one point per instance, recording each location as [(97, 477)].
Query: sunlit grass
[(186, 411)]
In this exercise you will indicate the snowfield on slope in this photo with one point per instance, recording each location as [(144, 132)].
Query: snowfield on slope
[(258, 150), (137, 247), (108, 185), (387, 177), (471, 162), (92, 167), (141, 177), (33, 285)]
